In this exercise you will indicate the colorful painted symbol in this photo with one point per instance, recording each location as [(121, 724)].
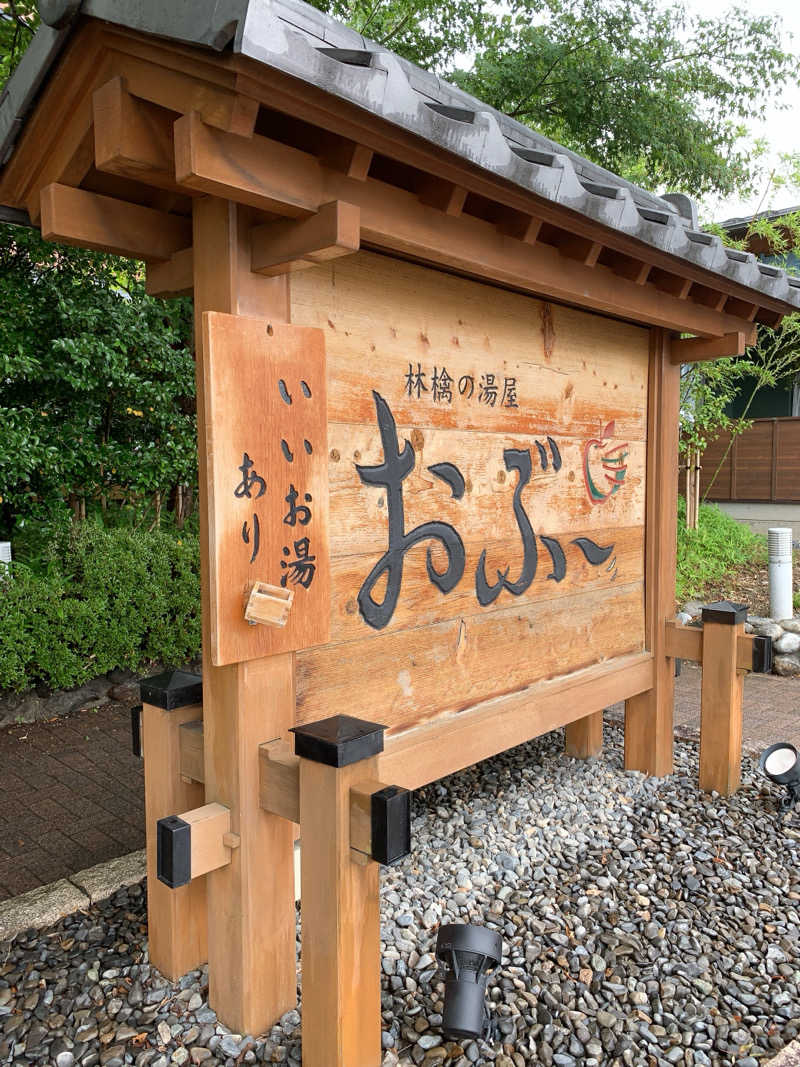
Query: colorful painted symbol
[(604, 465)]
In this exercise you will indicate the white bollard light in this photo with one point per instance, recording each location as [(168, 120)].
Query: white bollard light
[(5, 554), (779, 544)]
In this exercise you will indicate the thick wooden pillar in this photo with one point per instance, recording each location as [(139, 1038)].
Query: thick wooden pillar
[(584, 737), (251, 914), (340, 912), (721, 699), (176, 918), (649, 715)]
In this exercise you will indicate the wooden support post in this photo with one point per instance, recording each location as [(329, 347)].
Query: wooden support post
[(721, 698), (339, 898), (176, 919), (584, 737), (251, 915), (649, 715)]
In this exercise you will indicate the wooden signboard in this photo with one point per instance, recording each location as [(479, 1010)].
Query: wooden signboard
[(486, 463), (268, 515)]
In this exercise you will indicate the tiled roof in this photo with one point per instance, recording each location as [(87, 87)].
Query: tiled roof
[(293, 37)]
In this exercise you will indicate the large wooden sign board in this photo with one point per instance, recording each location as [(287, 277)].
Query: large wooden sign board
[(485, 461)]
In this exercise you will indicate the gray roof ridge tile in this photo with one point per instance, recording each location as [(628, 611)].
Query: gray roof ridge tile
[(293, 37)]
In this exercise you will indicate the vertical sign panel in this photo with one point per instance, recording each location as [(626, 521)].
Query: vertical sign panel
[(267, 442)]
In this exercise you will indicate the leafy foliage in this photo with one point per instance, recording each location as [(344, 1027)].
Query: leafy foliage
[(18, 20), (96, 382), (106, 599), (718, 546)]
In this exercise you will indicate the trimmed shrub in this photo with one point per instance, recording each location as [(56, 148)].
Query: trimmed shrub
[(103, 599)]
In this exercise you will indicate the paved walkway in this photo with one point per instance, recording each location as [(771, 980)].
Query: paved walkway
[(71, 793)]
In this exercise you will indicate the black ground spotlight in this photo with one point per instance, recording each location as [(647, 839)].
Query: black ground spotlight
[(469, 954), (781, 765)]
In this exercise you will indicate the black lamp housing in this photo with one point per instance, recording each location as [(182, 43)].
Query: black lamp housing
[(781, 765), (469, 954)]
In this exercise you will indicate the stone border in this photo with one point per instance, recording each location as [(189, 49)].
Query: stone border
[(49, 903), (788, 1056)]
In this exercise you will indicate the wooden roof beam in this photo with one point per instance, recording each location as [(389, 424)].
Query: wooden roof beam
[(580, 249), (281, 247), (76, 217), (444, 196), (743, 309), (273, 177), (673, 284), (698, 349), (626, 266), (712, 298)]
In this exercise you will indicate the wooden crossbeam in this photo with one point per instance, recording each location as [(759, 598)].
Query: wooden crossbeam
[(280, 247), (443, 195), (686, 642), (580, 249), (697, 349), (412, 758), (279, 780), (77, 217), (174, 277), (274, 177), (263, 173), (627, 267), (132, 137)]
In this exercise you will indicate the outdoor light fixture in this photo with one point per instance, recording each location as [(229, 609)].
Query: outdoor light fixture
[(469, 954), (781, 765)]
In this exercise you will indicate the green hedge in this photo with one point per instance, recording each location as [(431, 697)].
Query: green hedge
[(102, 599)]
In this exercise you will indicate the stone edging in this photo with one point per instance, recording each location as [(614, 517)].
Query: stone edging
[(788, 1056), (49, 903)]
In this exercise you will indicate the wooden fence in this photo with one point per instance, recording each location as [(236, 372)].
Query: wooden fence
[(762, 465)]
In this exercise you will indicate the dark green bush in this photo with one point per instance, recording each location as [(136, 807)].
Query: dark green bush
[(103, 599), (718, 547)]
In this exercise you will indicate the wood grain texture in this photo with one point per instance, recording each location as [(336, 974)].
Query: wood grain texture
[(251, 914), (267, 448), (209, 826), (583, 738), (415, 674), (340, 915), (176, 918), (721, 709), (649, 716), (574, 374), (77, 217), (415, 757)]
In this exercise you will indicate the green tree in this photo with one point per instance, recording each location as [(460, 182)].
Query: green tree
[(96, 383)]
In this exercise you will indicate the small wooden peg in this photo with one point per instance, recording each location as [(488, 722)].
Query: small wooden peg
[(231, 840), (268, 604)]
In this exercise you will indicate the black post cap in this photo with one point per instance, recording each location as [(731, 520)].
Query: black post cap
[(339, 740), (136, 730), (726, 612), (173, 851), (391, 824), (172, 690)]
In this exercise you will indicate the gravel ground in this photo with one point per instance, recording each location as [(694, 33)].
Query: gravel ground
[(643, 923)]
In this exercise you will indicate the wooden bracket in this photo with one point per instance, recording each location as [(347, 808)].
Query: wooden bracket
[(175, 277), (190, 741), (77, 217), (268, 605), (686, 642), (193, 844), (279, 784), (697, 349), (280, 247)]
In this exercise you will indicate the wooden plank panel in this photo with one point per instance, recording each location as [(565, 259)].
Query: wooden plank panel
[(754, 462), (713, 458), (265, 433), (383, 315), (406, 677), (555, 500), (787, 485), (420, 604)]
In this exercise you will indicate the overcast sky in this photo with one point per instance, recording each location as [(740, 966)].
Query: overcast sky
[(781, 128)]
